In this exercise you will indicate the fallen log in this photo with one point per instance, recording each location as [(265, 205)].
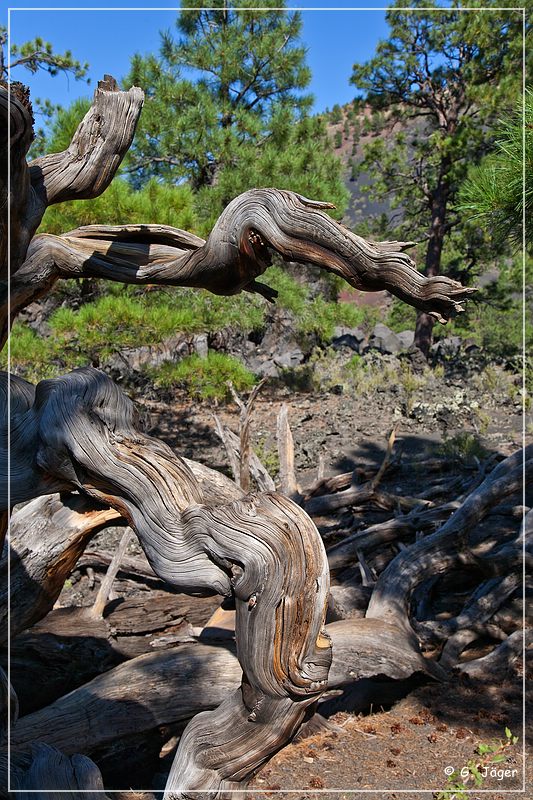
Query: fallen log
[(479, 608), (343, 553), (47, 537), (49, 534), (501, 659), (147, 691), (50, 773), (343, 481), (82, 171), (71, 647), (448, 546), (360, 495), (9, 706), (134, 568), (234, 255), (262, 549)]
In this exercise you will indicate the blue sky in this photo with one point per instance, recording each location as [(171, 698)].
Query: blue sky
[(106, 39)]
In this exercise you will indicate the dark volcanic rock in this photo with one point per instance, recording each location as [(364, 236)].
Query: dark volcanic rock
[(446, 348), (384, 340), (289, 359), (354, 338), (406, 339)]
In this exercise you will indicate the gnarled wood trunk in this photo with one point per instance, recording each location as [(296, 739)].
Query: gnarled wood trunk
[(262, 549), (79, 433)]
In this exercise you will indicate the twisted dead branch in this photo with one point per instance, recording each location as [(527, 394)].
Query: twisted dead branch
[(263, 549)]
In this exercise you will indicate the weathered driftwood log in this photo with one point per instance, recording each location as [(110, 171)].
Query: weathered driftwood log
[(9, 707), (71, 647), (236, 252), (450, 545), (502, 658), (478, 609), (419, 519), (258, 471), (47, 537), (82, 171), (360, 495), (149, 690), (48, 774), (263, 549), (49, 534)]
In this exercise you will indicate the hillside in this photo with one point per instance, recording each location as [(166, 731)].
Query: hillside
[(349, 129)]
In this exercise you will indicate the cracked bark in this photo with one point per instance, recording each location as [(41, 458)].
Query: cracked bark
[(80, 433)]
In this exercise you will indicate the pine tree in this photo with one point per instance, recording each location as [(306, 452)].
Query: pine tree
[(494, 192), (346, 129), (32, 56), (442, 77), (120, 203), (241, 118), (336, 114)]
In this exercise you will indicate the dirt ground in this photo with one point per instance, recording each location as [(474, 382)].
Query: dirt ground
[(403, 750), (407, 749)]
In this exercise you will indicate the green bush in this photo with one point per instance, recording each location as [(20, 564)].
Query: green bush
[(204, 378), (31, 355), (120, 204), (401, 317), (129, 318), (316, 316)]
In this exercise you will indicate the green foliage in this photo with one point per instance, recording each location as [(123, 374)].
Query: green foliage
[(494, 318), (268, 456), (37, 55), (346, 129), (477, 769), (359, 377), (244, 122), (204, 378), (495, 192), (436, 87), (316, 316), (125, 318), (121, 320), (121, 204), (401, 317), (463, 446), (337, 140), (335, 115), (297, 158), (33, 56), (410, 382), (31, 355)]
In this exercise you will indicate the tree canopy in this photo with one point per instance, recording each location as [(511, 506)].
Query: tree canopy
[(226, 108), (436, 87), (495, 193)]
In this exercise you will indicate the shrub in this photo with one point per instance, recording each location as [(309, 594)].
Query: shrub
[(316, 316), (464, 446), (204, 378), (31, 355)]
